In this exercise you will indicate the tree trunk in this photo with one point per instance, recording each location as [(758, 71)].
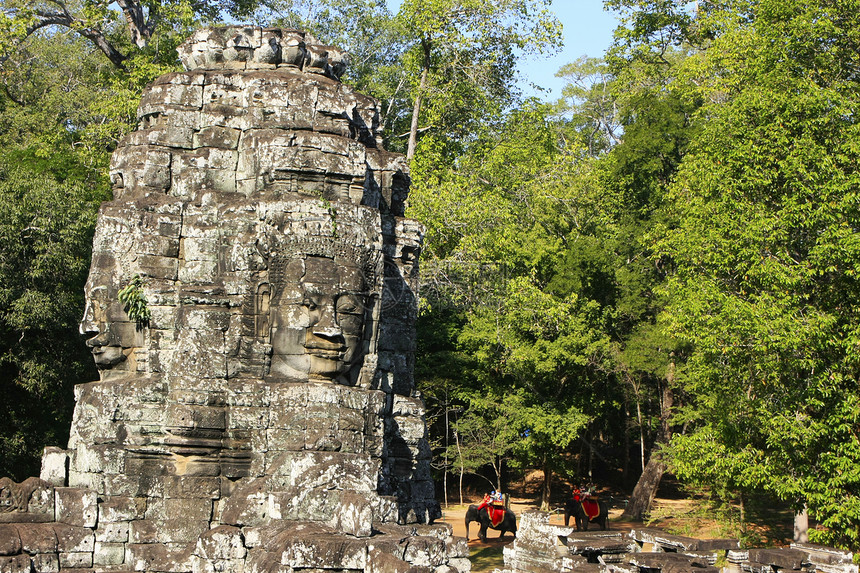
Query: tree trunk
[(641, 432), (801, 525), (547, 487), (445, 463), (416, 107), (460, 458), (645, 490)]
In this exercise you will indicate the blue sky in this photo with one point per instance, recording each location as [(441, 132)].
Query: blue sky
[(587, 31)]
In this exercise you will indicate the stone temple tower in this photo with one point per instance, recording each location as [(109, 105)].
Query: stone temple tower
[(251, 307)]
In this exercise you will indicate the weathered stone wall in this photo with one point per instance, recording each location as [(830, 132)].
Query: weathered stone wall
[(263, 414), (543, 547)]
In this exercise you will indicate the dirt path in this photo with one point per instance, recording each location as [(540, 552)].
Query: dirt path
[(456, 516)]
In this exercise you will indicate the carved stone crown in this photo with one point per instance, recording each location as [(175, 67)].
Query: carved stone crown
[(251, 47)]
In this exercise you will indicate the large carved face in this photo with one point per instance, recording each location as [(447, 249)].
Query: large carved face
[(113, 337), (318, 321)]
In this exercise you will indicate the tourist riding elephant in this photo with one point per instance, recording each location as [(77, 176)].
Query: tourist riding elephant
[(585, 511), (482, 516)]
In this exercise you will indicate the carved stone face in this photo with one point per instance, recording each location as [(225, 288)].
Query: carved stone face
[(114, 336), (318, 321)]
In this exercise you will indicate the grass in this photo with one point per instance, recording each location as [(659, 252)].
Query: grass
[(486, 558)]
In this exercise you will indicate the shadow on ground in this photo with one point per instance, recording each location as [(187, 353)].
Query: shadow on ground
[(487, 556)]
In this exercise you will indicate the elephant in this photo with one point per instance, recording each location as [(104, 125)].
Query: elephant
[(574, 508), (480, 514)]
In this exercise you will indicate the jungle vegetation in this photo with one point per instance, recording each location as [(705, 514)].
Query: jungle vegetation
[(658, 272)]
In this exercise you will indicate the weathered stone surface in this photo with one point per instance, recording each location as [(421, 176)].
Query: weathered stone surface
[(37, 538), (78, 507), (263, 415), (15, 564), (32, 500), (676, 542), (55, 466), (791, 559), (10, 541)]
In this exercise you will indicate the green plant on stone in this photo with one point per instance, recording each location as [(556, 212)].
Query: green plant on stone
[(134, 301), (332, 213)]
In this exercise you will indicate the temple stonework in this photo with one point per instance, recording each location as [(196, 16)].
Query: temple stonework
[(251, 307)]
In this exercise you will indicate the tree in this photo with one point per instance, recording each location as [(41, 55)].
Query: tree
[(63, 108), (761, 240), (46, 228), (101, 23), (460, 45)]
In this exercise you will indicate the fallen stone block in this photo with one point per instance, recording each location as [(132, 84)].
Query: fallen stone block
[(784, 558)]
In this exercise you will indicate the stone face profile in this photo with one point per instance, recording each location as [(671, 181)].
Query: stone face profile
[(262, 415)]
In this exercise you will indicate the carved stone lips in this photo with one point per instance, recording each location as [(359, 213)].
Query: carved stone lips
[(323, 350)]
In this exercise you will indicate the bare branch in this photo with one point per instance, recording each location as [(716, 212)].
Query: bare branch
[(138, 27)]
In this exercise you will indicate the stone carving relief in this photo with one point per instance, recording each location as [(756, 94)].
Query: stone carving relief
[(268, 402)]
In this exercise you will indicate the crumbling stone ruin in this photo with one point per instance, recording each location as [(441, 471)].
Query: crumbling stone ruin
[(251, 308), (542, 547)]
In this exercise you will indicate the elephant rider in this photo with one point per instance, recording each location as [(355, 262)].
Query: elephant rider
[(495, 506)]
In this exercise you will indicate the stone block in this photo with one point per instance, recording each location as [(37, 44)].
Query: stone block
[(112, 532), (45, 562), (192, 487), (121, 508), (354, 514), (425, 551), (15, 564), (383, 562), (36, 538), (309, 470), (458, 547), (86, 480), (76, 506), (159, 557), (176, 530), (110, 554), (221, 542), (323, 552), (783, 558), (72, 539), (10, 541), (76, 560), (189, 508), (217, 136), (55, 466)]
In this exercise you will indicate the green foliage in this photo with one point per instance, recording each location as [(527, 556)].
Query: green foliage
[(759, 232), (134, 301), (63, 108), (46, 228)]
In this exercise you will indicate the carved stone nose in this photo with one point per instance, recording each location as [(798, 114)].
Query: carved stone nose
[(327, 325), (100, 338)]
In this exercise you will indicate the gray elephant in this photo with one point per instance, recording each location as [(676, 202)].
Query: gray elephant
[(584, 511), (500, 519)]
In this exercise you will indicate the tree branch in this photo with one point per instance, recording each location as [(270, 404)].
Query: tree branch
[(45, 18), (138, 27)]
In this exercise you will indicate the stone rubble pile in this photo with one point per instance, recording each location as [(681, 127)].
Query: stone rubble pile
[(543, 547), (260, 413)]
